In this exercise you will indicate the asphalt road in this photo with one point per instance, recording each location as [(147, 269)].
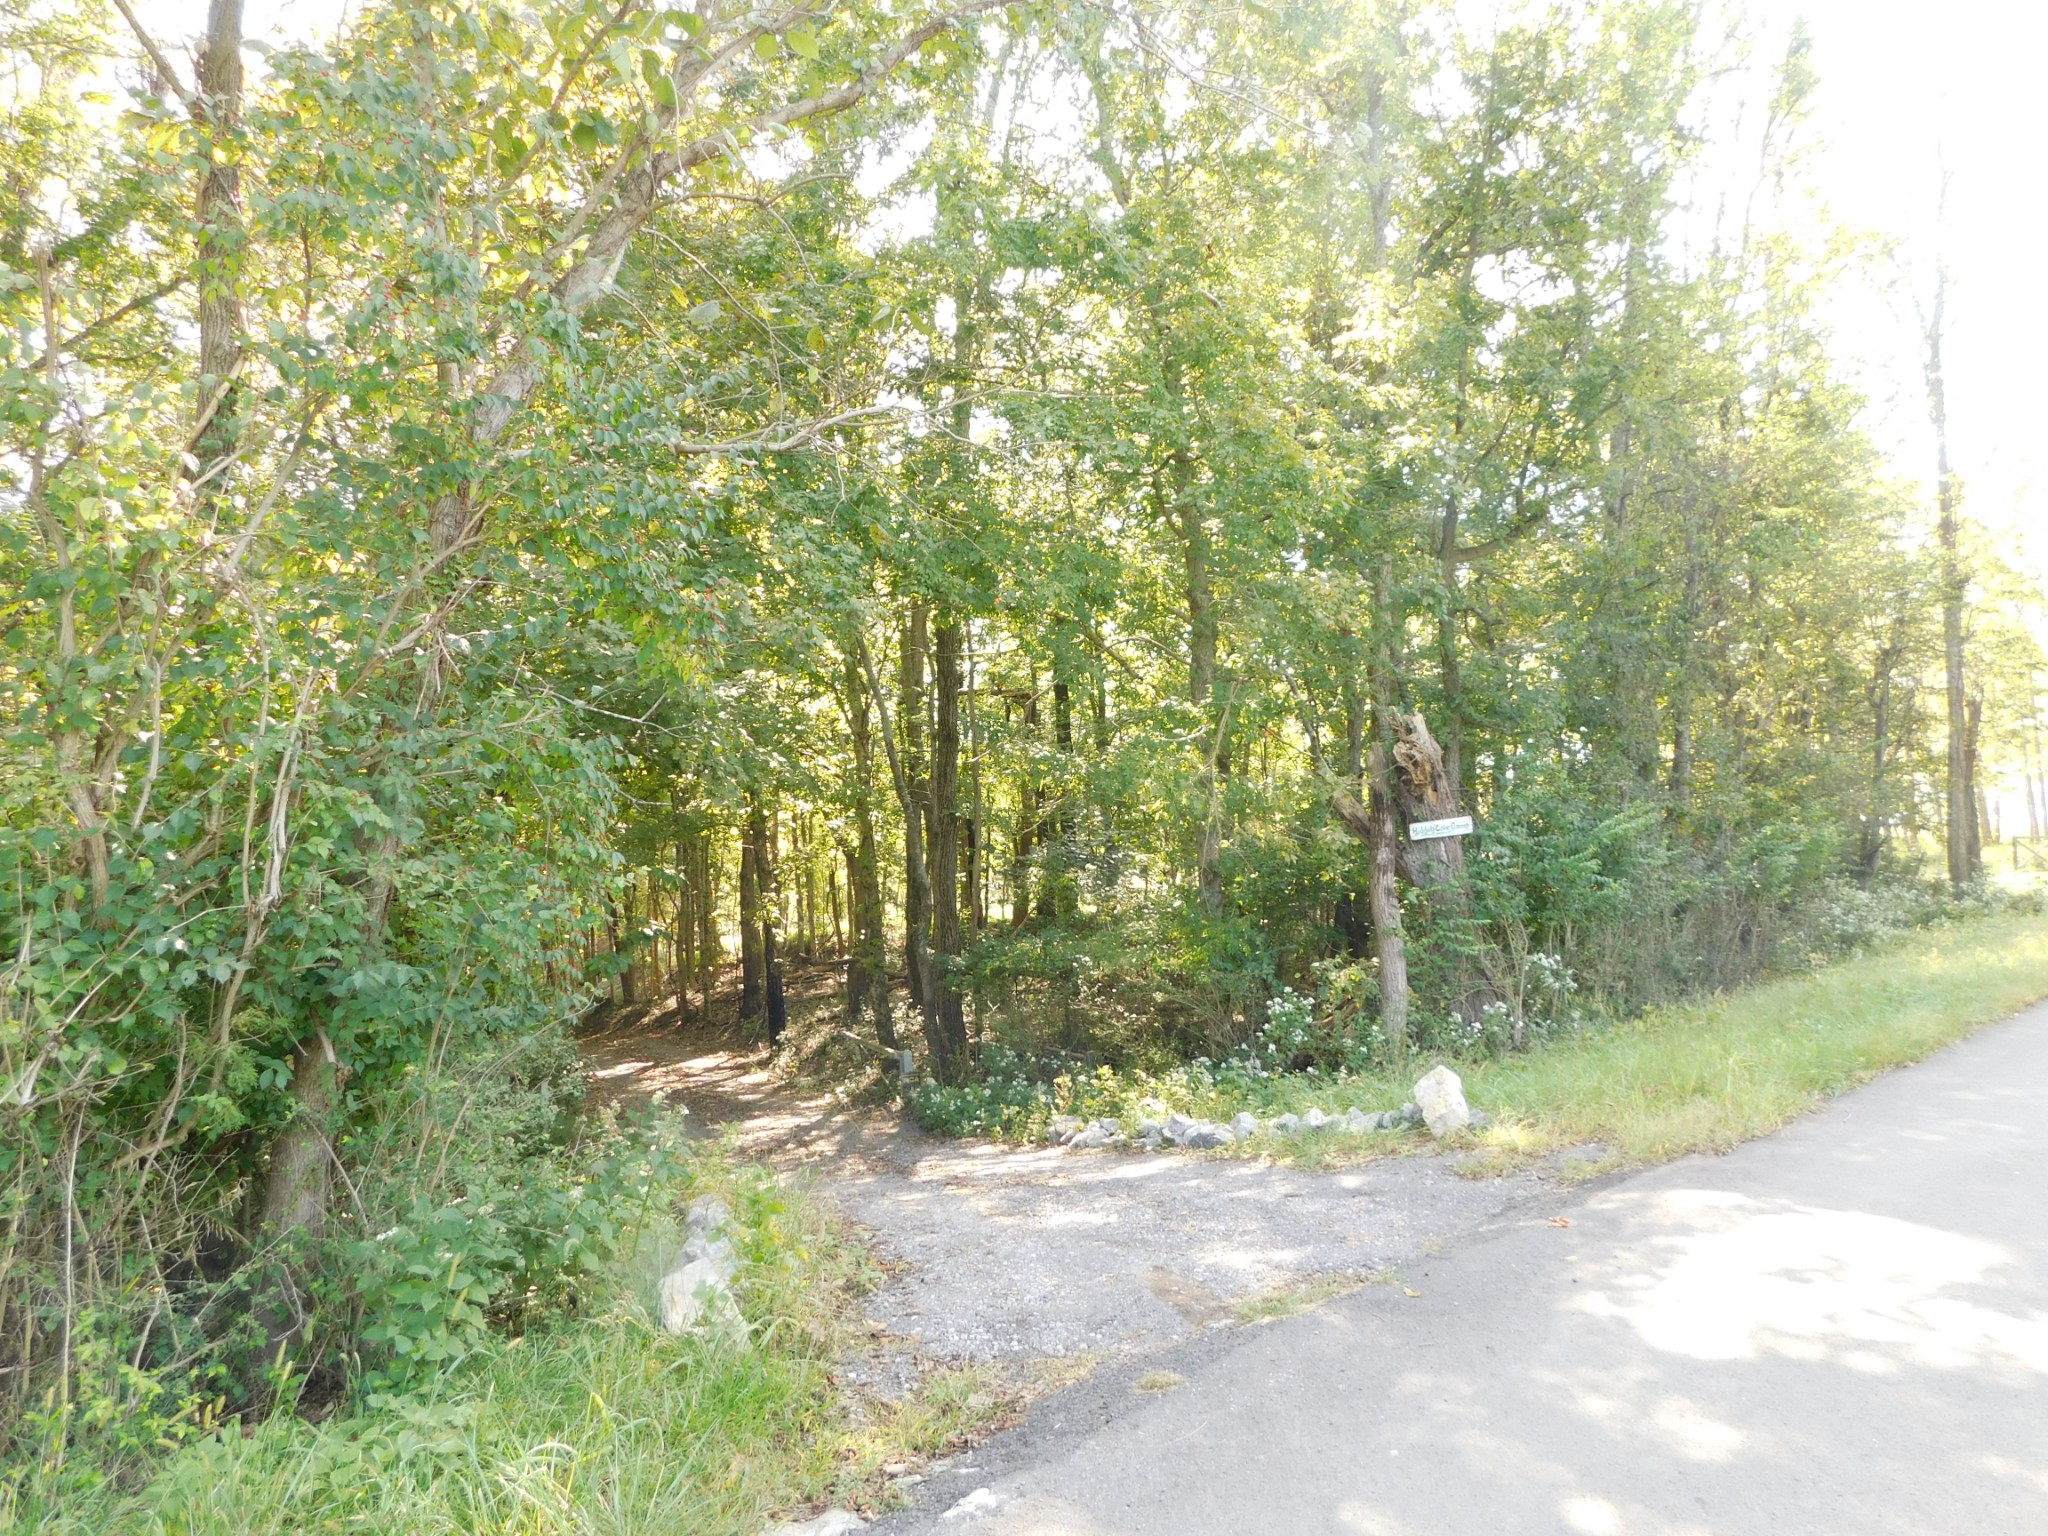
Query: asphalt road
[(1843, 1328)]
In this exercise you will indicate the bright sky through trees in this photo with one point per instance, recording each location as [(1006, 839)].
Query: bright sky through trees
[(1904, 88)]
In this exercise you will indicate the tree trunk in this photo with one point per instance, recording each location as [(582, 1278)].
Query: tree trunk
[(767, 876), (867, 985), (838, 911), (295, 1190), (221, 236), (710, 948), (945, 841), (1872, 851), (1202, 641), (1384, 898), (1376, 824), (1450, 763), (1980, 815), (1424, 790), (911, 703), (976, 821), (753, 975), (686, 931), (1964, 864), (1059, 861), (1203, 638), (917, 879), (1022, 839), (625, 937)]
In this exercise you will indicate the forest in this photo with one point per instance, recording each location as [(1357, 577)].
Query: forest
[(987, 521)]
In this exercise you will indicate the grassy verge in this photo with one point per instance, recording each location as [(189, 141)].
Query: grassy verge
[(600, 1423), (1706, 1075), (1699, 1076)]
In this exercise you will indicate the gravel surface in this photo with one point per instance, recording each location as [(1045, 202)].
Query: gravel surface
[(1015, 1253)]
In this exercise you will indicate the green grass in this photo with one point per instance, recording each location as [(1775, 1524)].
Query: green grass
[(600, 1423), (1692, 1077), (1300, 1296), (1704, 1076)]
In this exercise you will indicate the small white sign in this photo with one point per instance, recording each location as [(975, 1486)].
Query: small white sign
[(1450, 826)]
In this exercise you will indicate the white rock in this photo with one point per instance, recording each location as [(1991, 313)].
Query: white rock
[(834, 1522), (1245, 1124), (1208, 1134), (1286, 1125), (1356, 1119), (1315, 1119), (697, 1292), (1064, 1128), (707, 1214), (1177, 1127), (1101, 1134), (695, 1296), (714, 1253), (1442, 1098)]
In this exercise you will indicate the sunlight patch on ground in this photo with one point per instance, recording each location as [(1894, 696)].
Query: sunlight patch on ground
[(1746, 1278), (2013, 1472), (1593, 1517), (1695, 1435)]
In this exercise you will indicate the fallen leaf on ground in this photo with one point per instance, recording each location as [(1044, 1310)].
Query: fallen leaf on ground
[(1409, 1291), (1560, 1221)]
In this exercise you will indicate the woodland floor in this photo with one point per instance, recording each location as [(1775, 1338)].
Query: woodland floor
[(1019, 1255)]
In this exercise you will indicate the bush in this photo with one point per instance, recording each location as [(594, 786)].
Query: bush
[(603, 1422)]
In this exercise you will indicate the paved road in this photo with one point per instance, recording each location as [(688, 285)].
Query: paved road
[(1841, 1329)]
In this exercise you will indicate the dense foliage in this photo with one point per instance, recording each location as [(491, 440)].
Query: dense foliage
[(510, 504)]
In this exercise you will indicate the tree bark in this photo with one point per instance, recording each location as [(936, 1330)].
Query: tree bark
[(917, 879), (945, 841), (1964, 861), (1384, 897), (296, 1188), (710, 949), (1450, 675), (1029, 813), (976, 817), (769, 902), (1424, 790), (218, 112), (867, 986), (910, 696), (1980, 814), (753, 982)]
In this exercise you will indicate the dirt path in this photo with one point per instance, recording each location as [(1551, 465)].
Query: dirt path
[(1027, 1253)]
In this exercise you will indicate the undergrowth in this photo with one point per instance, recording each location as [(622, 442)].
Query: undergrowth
[(600, 1422), (1694, 1076)]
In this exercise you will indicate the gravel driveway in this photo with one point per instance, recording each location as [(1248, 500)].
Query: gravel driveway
[(1008, 1253)]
